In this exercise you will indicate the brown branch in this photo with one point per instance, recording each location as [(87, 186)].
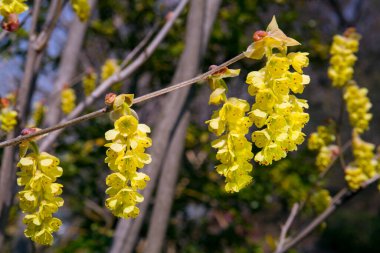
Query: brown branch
[(117, 77), (74, 121), (285, 228), (338, 200)]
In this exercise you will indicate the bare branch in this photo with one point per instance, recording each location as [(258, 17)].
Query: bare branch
[(74, 121), (286, 227), (338, 200), (117, 77)]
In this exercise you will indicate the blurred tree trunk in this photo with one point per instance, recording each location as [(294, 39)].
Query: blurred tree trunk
[(173, 106), (67, 66)]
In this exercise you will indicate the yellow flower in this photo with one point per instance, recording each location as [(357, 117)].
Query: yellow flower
[(82, 8), (89, 82), (218, 85), (325, 156), (12, 7), (358, 106), (8, 119), (109, 68), (343, 58), (324, 136), (125, 155), (280, 114), (264, 42), (68, 99), (39, 198), (320, 200), (234, 150), (38, 113), (354, 177)]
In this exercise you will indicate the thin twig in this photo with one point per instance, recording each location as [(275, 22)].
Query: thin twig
[(339, 199), (285, 228), (102, 111), (117, 77), (139, 46)]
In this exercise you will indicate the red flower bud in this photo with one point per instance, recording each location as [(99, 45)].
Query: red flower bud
[(109, 99), (259, 35), (10, 23)]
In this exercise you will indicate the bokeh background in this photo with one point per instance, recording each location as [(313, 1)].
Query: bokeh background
[(203, 217)]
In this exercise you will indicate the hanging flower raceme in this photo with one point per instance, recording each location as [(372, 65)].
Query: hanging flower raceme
[(279, 114), (82, 8), (125, 157), (320, 200), (89, 81), (39, 197), (358, 106), (68, 99), (365, 164), (343, 57), (38, 113), (8, 116), (231, 125), (321, 141), (109, 68)]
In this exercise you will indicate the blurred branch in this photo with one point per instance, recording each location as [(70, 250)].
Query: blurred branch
[(67, 66), (200, 20), (66, 123), (342, 197), (285, 228), (117, 77)]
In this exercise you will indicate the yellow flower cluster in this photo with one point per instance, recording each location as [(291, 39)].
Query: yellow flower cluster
[(109, 68), (89, 82), (320, 141), (82, 9), (125, 155), (68, 99), (280, 114), (38, 113), (325, 156), (8, 119), (320, 200), (358, 106), (39, 198), (364, 165), (12, 7), (343, 57), (231, 125)]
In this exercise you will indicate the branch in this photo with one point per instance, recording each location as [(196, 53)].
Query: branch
[(285, 228), (338, 200), (117, 77), (67, 123)]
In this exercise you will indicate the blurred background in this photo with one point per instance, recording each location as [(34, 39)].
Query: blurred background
[(201, 216)]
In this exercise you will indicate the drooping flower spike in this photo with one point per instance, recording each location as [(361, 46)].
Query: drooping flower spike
[(39, 198), (8, 115), (279, 114), (125, 157), (231, 125), (343, 57)]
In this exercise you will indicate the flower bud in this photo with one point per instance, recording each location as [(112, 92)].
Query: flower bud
[(10, 23)]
